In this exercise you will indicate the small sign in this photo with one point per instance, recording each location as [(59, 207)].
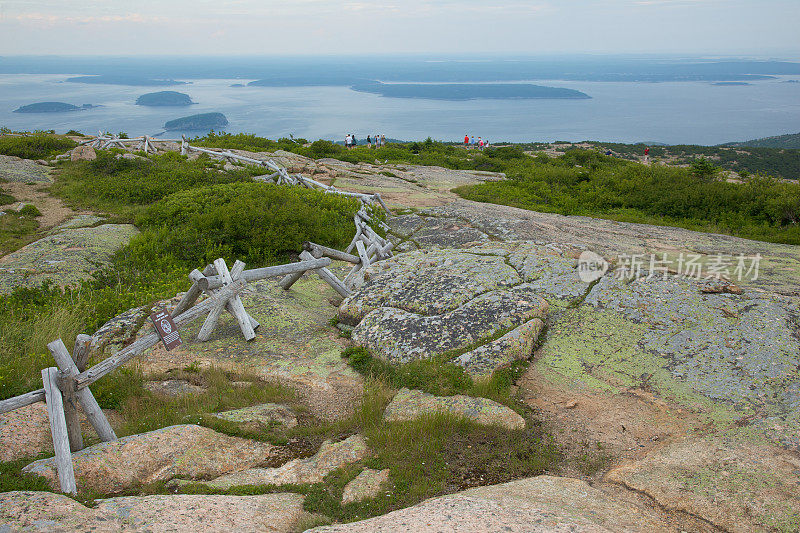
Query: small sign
[(166, 329)]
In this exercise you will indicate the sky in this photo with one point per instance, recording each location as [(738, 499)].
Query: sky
[(758, 28)]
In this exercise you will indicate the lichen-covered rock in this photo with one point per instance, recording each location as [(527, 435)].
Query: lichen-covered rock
[(365, 485), (262, 415), (83, 153), (738, 485), (515, 345), (447, 233), (400, 336), (428, 283), (185, 451), (48, 512), (425, 304), (25, 432), (410, 404), (542, 504), (273, 513), (732, 355), (299, 471), (173, 388), (22, 170), (65, 258)]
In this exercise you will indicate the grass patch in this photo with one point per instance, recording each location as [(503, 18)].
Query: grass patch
[(436, 377), (17, 229)]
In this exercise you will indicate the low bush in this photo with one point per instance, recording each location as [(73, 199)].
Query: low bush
[(37, 146), (118, 185), (256, 222)]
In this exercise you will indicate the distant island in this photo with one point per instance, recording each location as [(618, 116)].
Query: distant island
[(203, 121), (237, 85), (110, 79), (467, 91), (164, 98), (731, 83), (52, 107)]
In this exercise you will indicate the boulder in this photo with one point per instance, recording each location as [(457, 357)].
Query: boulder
[(412, 404), (14, 169), (48, 512), (173, 388), (260, 416), (300, 471), (274, 513), (185, 451), (83, 153), (65, 257), (543, 504), (366, 485), (736, 484), (25, 432), (470, 303)]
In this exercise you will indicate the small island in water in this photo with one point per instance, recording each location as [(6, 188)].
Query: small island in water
[(467, 91), (164, 98), (731, 83), (203, 121), (52, 107)]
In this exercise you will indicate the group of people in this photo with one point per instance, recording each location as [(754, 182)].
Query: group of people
[(374, 141), (470, 142)]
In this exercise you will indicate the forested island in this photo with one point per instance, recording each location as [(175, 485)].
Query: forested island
[(731, 83), (467, 91), (164, 98), (202, 121), (52, 107), (112, 79)]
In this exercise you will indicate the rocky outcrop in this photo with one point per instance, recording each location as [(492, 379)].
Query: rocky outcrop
[(261, 416), (426, 304), (83, 153), (299, 471), (48, 512), (412, 404), (187, 451), (540, 504), (65, 257), (25, 432), (366, 485), (737, 485)]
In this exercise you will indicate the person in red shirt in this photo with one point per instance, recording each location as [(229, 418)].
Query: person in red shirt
[(466, 141)]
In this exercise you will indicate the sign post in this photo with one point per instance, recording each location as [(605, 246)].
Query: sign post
[(166, 329)]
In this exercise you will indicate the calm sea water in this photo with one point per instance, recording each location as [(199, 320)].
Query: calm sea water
[(671, 112)]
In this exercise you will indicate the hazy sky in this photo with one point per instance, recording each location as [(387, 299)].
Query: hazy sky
[(131, 27)]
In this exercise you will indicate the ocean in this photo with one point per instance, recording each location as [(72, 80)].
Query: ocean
[(670, 112)]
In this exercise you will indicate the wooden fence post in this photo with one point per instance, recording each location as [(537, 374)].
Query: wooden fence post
[(58, 429), (84, 395)]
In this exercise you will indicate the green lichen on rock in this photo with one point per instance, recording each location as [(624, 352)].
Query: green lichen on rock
[(732, 483), (65, 257)]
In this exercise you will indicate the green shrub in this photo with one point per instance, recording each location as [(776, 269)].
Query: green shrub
[(255, 222), (116, 185), (30, 210), (6, 199), (38, 146)]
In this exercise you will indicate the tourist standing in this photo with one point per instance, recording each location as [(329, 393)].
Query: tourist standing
[(383, 140), (480, 143), (348, 140), (369, 142), (466, 141)]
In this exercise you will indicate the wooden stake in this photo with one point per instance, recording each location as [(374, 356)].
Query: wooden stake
[(235, 304), (58, 429), (84, 396)]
